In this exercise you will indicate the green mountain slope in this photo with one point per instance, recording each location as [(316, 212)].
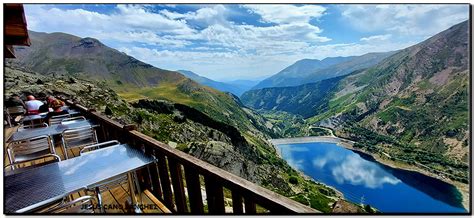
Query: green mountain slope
[(302, 100), (413, 106), (60, 53)]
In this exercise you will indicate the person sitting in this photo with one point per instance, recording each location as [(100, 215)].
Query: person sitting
[(56, 105), (46, 107), (32, 105)]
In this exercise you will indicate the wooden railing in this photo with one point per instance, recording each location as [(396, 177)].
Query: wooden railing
[(176, 178)]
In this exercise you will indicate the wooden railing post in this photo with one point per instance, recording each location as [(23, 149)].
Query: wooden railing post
[(237, 202), (165, 181), (250, 207), (194, 190), (178, 186), (215, 196)]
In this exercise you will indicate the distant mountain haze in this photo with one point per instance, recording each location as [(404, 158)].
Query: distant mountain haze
[(313, 70), (236, 88)]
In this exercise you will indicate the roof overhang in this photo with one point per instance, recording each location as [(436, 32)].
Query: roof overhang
[(15, 29)]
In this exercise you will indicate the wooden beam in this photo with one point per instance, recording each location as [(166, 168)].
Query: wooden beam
[(8, 51), (15, 29), (157, 202)]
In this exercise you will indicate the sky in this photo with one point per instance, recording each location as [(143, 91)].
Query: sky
[(235, 41)]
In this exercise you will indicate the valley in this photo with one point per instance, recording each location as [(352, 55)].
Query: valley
[(412, 106)]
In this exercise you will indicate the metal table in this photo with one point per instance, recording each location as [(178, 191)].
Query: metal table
[(50, 131), (40, 186), (29, 118)]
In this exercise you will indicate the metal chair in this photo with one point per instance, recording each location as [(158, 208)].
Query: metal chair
[(30, 149), (55, 120), (35, 125), (72, 206), (72, 120), (78, 137), (20, 166), (13, 112)]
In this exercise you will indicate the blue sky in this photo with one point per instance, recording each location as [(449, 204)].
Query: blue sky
[(236, 41)]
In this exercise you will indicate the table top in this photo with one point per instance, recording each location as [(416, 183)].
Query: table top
[(33, 188), (43, 115), (50, 130)]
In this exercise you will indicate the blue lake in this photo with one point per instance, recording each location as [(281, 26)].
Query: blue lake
[(363, 180)]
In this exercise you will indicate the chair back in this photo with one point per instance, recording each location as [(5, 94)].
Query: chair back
[(83, 204), (16, 110), (12, 113), (20, 166), (31, 126), (72, 120), (79, 137), (98, 146), (55, 120), (30, 149)]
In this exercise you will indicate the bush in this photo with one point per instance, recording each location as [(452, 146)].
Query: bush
[(293, 180), (183, 147)]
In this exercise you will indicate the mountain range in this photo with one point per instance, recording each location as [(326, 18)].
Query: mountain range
[(412, 105), (235, 87), (313, 70)]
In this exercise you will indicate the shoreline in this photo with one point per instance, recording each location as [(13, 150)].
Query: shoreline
[(461, 187)]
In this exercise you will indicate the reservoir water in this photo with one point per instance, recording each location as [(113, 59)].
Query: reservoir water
[(363, 180)]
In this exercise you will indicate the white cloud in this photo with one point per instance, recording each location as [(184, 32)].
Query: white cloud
[(284, 14), (405, 19), (129, 23), (376, 38), (145, 37), (208, 15), (138, 17)]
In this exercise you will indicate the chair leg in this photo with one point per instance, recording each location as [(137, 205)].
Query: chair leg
[(9, 121), (99, 200), (131, 188), (137, 185), (64, 149), (51, 145)]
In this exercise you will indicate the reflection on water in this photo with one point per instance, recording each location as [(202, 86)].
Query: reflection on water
[(359, 177), (360, 172)]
